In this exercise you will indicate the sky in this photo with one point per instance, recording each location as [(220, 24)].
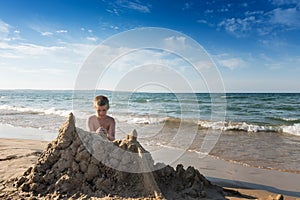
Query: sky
[(253, 44)]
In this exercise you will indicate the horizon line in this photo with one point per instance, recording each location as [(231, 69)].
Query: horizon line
[(107, 90)]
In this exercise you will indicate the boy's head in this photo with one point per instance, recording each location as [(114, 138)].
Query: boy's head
[(101, 101), (101, 105)]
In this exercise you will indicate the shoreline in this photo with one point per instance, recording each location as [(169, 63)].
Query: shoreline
[(11, 132), (233, 175), (18, 154)]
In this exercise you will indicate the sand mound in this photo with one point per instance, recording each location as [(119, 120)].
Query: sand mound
[(79, 164)]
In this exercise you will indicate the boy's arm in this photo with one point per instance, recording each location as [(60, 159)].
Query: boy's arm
[(89, 125), (111, 131)]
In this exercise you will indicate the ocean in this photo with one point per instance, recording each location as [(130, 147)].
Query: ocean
[(254, 129)]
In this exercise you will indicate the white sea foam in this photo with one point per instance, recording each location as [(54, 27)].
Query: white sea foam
[(49, 111), (294, 129), (140, 119), (235, 126), (243, 126), (290, 119)]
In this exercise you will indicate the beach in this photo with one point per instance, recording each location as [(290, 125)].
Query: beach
[(252, 147), (129, 99), (19, 154)]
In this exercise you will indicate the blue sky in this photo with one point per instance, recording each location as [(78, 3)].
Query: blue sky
[(254, 44)]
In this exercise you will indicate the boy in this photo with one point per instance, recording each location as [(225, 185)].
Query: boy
[(102, 123)]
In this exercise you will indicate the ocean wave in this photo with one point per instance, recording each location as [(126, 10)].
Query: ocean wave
[(141, 100), (293, 129), (29, 110), (136, 119), (286, 119), (236, 126), (234, 96), (243, 126), (217, 125), (291, 119), (140, 119)]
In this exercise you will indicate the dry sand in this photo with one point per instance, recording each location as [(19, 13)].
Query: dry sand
[(16, 156)]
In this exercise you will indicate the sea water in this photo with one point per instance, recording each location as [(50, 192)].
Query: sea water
[(256, 129)]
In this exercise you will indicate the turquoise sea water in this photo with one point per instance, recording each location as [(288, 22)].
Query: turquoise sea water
[(258, 129)]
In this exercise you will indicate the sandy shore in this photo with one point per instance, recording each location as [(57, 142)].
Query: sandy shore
[(17, 155), (258, 183)]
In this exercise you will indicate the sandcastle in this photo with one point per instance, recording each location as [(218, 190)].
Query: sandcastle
[(79, 165)]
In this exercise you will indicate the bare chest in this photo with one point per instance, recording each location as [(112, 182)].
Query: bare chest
[(103, 123)]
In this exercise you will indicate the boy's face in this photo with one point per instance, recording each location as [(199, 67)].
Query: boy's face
[(101, 110)]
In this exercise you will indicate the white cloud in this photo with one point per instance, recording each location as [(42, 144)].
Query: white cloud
[(135, 68), (26, 49), (284, 63), (175, 42), (138, 7), (46, 29), (176, 39), (204, 64), (203, 21), (93, 39), (238, 26), (58, 62), (226, 60), (224, 10), (289, 17), (255, 13), (54, 65), (284, 2), (262, 22), (132, 5), (125, 59), (232, 63), (114, 27), (244, 4), (4, 30), (187, 6), (61, 31), (208, 11), (113, 11), (46, 33), (141, 57)]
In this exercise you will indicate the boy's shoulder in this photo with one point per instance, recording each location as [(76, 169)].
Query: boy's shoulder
[(91, 117), (110, 118)]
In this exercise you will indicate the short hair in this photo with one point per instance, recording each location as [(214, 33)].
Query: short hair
[(101, 100)]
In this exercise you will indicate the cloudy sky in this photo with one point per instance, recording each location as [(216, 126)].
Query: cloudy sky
[(254, 44)]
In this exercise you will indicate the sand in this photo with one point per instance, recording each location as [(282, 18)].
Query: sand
[(235, 175), (17, 156)]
